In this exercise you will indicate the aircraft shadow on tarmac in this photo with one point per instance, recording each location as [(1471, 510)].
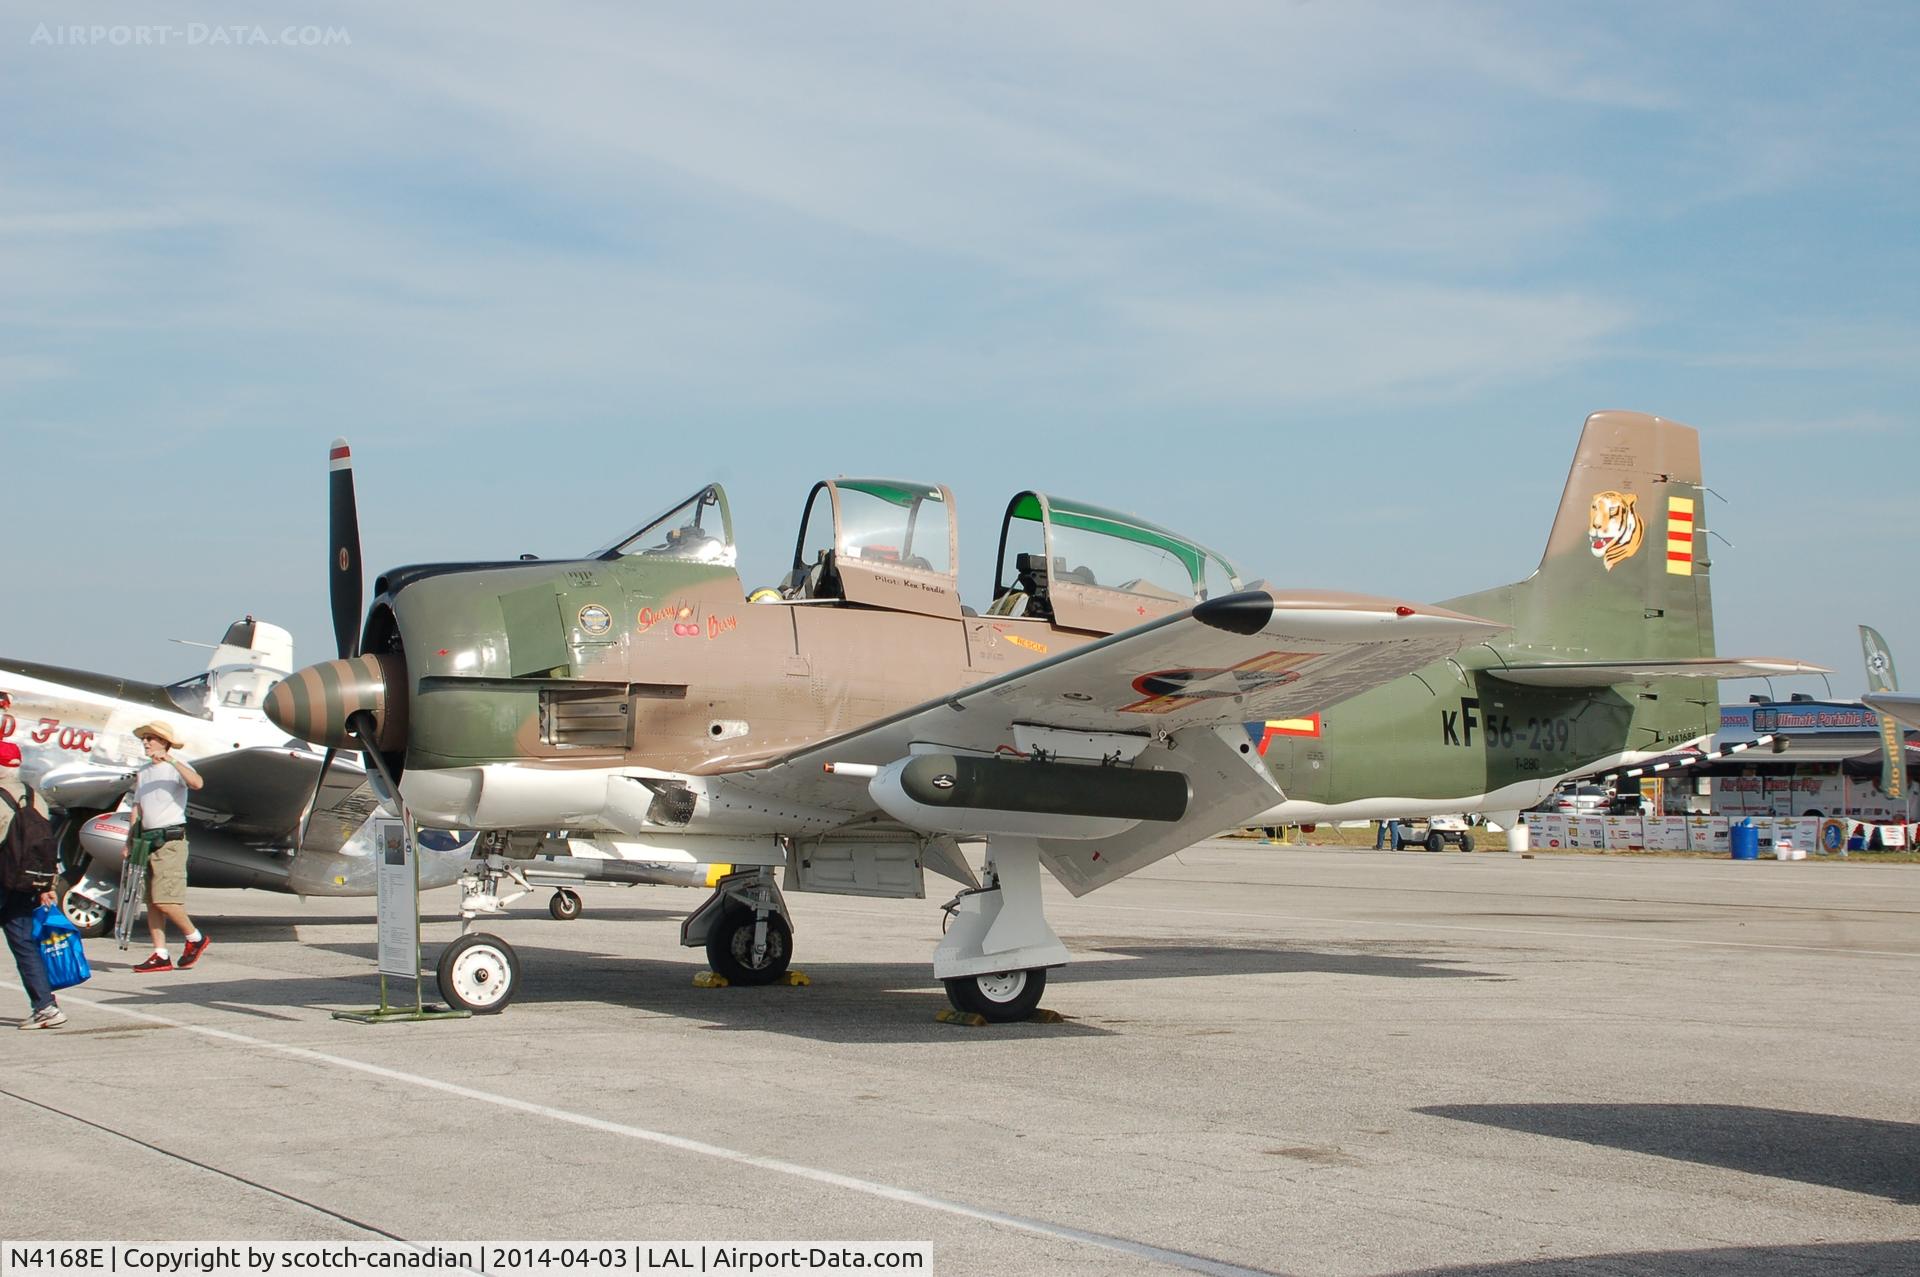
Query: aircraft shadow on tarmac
[(1857, 1154), (281, 926), (847, 1002), (1833, 1259), (1158, 960)]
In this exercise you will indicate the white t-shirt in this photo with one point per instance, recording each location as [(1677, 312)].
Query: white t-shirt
[(160, 796)]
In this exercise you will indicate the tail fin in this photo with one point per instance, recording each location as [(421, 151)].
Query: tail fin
[(253, 644), (247, 662), (1624, 575)]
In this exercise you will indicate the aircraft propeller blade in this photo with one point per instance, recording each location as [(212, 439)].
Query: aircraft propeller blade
[(364, 730), (343, 553), (313, 799)]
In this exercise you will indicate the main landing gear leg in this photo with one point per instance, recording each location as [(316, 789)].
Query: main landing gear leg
[(998, 946), (744, 927)]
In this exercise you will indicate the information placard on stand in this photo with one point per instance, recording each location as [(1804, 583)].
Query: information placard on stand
[(398, 887), (397, 882)]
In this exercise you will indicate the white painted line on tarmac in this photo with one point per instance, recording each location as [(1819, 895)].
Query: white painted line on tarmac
[(1500, 931), (906, 1196)]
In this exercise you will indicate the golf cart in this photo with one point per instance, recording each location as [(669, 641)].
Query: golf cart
[(1434, 833)]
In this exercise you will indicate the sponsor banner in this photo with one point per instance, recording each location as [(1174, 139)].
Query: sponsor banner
[(1709, 833), (1626, 833), (1804, 830), (1587, 831), (1667, 833), (1545, 830)]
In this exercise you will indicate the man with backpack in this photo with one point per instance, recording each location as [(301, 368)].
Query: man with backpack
[(27, 869)]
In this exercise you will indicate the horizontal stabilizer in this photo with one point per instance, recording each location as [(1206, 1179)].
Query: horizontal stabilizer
[(1903, 707), (1608, 673)]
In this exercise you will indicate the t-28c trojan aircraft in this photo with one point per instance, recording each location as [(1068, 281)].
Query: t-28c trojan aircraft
[(850, 726), (855, 723)]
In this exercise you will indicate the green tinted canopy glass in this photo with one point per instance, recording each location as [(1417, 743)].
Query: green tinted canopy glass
[(1114, 523)]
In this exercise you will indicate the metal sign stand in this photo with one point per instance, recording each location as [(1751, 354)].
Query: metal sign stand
[(398, 880)]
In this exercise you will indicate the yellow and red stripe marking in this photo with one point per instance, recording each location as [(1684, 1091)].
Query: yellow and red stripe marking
[(1680, 536), (1308, 726)]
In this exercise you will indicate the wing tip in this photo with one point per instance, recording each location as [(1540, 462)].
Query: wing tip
[(1245, 613)]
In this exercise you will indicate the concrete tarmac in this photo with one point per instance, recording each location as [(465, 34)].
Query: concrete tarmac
[(1278, 1060)]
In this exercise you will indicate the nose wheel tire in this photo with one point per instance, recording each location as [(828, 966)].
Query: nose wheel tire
[(1002, 997), (479, 973), (89, 917), (730, 948), (565, 905)]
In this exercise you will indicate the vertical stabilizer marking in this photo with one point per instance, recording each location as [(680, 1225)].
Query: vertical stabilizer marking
[(1680, 536)]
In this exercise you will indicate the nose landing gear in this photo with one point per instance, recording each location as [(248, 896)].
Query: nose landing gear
[(479, 973)]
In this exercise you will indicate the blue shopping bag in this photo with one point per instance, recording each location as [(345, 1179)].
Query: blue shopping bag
[(60, 949)]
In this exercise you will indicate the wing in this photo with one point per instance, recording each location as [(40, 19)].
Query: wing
[(263, 793), (1609, 673), (79, 786), (1183, 685)]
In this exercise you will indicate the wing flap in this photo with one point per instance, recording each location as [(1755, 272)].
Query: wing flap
[(1608, 673)]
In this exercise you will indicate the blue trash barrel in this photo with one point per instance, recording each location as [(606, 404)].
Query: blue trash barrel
[(1745, 840)]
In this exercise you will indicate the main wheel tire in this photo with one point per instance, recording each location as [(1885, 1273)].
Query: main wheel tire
[(1002, 997), (1466, 842), (479, 973), (730, 948), (93, 920), (565, 905), (1435, 841)]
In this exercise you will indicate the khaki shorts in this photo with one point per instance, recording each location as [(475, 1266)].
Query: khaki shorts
[(167, 874)]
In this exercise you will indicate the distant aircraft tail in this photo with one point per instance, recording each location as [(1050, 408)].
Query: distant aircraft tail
[(249, 659), (1624, 576), (253, 644)]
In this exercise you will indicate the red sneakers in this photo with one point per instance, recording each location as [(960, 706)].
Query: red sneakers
[(157, 962), (193, 951)]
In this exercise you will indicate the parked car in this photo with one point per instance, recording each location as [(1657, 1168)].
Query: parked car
[(1579, 800)]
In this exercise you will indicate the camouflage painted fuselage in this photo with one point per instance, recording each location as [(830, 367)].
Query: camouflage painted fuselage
[(663, 665), (660, 664)]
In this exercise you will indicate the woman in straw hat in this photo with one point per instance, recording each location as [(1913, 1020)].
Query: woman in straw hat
[(160, 807)]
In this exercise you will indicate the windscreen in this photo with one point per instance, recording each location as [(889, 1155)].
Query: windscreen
[(193, 696), (698, 530)]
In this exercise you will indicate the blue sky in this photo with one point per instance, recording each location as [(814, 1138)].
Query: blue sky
[(1329, 286)]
